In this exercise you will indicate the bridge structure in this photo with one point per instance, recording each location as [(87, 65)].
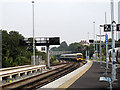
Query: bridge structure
[(42, 41)]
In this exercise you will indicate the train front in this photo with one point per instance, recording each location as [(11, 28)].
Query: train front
[(79, 57)]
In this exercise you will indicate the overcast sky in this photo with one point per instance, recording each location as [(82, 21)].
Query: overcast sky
[(69, 19)]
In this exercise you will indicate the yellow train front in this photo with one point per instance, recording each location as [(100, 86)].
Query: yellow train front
[(79, 57), (72, 57)]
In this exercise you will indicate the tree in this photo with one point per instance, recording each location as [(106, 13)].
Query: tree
[(63, 46), (91, 50), (110, 40), (74, 47), (13, 53)]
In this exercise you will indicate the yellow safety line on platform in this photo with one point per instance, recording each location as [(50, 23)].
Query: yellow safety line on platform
[(72, 80)]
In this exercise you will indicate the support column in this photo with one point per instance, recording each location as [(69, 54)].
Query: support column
[(0, 55), (96, 48), (0, 49), (106, 47), (86, 55), (100, 49), (40, 60), (48, 59), (113, 43)]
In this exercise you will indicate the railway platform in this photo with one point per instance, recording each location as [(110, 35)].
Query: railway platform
[(91, 79), (86, 77), (15, 73)]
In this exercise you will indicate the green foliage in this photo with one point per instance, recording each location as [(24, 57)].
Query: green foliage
[(53, 59), (91, 50), (117, 43), (63, 46), (110, 40), (43, 54), (14, 54), (75, 48)]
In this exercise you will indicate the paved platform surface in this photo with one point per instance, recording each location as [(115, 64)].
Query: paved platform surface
[(90, 80), (67, 80)]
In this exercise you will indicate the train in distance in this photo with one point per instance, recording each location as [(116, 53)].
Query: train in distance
[(72, 57)]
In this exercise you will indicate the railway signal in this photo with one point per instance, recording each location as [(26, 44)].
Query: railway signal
[(79, 48)]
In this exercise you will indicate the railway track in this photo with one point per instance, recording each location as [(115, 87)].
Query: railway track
[(44, 78)]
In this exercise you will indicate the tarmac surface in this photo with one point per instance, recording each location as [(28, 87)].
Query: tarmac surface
[(91, 79)]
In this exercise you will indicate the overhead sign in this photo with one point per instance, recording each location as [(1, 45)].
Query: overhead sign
[(118, 27), (106, 39), (41, 41), (107, 27), (54, 41)]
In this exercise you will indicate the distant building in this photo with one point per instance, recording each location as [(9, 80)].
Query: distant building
[(84, 42), (119, 18)]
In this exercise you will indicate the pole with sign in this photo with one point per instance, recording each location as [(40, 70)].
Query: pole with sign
[(106, 46), (106, 42)]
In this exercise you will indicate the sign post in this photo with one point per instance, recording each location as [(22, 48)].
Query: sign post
[(106, 42)]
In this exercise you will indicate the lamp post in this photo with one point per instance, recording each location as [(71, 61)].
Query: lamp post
[(94, 35), (100, 45), (96, 48), (88, 46), (33, 34), (100, 49)]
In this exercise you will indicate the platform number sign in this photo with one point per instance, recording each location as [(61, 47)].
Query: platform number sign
[(107, 27), (118, 27)]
